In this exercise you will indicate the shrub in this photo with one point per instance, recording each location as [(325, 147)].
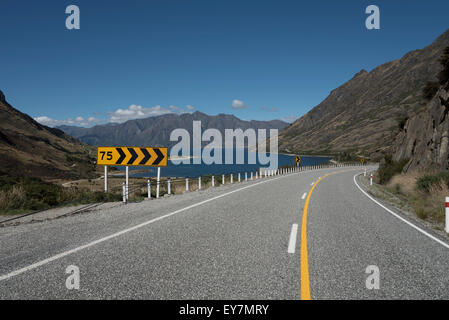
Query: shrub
[(426, 182), (389, 168), (430, 89)]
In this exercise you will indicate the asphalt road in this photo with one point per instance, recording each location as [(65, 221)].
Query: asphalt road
[(230, 242)]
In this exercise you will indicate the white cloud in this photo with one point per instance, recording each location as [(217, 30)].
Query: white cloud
[(78, 121), (117, 116), (238, 104), (139, 112)]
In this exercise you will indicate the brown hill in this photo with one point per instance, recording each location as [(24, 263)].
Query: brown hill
[(28, 148), (364, 115)]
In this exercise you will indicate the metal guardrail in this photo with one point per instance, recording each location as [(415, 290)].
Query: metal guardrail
[(202, 181)]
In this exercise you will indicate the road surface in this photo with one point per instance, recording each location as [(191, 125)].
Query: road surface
[(231, 242)]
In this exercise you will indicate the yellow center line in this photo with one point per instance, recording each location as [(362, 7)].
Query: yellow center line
[(304, 255), (305, 280)]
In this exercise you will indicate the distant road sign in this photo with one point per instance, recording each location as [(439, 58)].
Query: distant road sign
[(132, 156), (298, 159), (362, 160)]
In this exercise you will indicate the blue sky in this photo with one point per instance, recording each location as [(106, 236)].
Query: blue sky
[(270, 59)]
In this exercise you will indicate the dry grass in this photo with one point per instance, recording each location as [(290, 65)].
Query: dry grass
[(428, 206), (12, 198), (405, 182)]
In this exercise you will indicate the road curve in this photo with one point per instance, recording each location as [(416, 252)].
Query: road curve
[(230, 242)]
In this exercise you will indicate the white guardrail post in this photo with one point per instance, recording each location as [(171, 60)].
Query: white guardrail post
[(169, 186), (106, 179), (199, 183), (232, 178), (246, 176), (213, 181), (239, 177), (447, 215), (251, 175), (222, 179), (158, 182), (124, 192), (187, 184), (371, 179), (149, 188)]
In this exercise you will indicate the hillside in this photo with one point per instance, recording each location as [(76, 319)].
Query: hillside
[(155, 131), (364, 115), (30, 149)]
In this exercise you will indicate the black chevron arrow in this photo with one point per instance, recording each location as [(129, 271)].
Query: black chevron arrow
[(146, 154), (160, 156), (122, 155), (133, 155)]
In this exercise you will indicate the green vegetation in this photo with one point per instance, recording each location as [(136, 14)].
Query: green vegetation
[(425, 183), (388, 168), (23, 194), (346, 157)]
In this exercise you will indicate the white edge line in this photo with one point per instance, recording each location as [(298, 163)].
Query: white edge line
[(114, 235), (292, 242), (399, 217), (304, 195)]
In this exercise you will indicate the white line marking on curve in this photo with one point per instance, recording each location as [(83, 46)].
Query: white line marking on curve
[(312, 183), (292, 242), (114, 235), (399, 217), (304, 195)]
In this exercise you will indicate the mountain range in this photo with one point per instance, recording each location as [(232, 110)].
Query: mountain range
[(365, 114), (155, 131)]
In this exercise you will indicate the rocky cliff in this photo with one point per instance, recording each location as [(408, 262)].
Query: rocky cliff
[(424, 139)]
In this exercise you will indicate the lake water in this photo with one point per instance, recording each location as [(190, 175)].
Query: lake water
[(196, 170)]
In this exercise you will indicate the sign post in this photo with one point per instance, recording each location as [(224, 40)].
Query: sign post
[(132, 156), (106, 179), (127, 183), (298, 161)]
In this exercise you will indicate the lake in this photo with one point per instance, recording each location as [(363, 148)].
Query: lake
[(196, 170)]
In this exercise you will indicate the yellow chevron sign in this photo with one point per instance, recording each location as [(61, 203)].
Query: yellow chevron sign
[(298, 159), (132, 156)]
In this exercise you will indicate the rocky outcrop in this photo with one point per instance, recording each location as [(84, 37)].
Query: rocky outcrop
[(425, 136)]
